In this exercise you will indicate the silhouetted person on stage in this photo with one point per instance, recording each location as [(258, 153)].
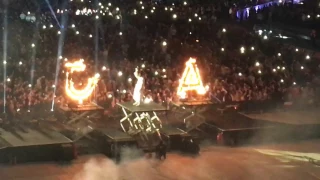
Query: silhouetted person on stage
[(137, 88), (161, 150)]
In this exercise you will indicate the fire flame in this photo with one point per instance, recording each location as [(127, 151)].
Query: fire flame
[(190, 80), (72, 92)]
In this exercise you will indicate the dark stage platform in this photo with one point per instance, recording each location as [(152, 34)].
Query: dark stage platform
[(116, 135), (143, 107), (26, 144), (192, 103), (84, 107)]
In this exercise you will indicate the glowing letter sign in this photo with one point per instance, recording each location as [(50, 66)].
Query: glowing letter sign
[(191, 80), (72, 92)]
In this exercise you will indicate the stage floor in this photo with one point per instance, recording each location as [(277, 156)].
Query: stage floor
[(307, 117), (32, 137), (85, 107), (152, 106)]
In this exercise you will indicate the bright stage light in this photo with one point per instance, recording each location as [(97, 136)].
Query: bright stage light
[(164, 43), (147, 100), (190, 80), (71, 91), (119, 73)]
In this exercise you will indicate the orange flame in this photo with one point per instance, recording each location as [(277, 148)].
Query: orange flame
[(191, 79), (84, 93)]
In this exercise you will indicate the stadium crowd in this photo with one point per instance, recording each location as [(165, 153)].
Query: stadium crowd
[(236, 65)]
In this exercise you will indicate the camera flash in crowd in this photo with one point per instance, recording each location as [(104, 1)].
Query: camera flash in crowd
[(117, 9), (90, 35), (119, 73), (124, 91), (294, 83), (297, 49), (53, 86), (222, 49), (265, 37), (252, 48), (146, 17), (257, 64), (259, 71), (4, 62), (195, 15), (199, 18), (130, 79), (73, 26), (197, 40), (279, 54), (156, 73), (283, 68), (8, 79), (20, 63), (302, 67), (240, 74), (190, 19), (44, 27), (164, 70), (281, 81), (65, 59), (185, 3), (59, 32), (224, 30), (60, 57), (171, 9), (142, 7), (33, 45), (109, 96), (260, 32), (274, 70), (97, 17), (166, 9), (51, 26), (307, 57), (143, 66), (104, 68), (164, 43), (242, 50), (152, 11), (109, 4), (174, 16), (120, 33), (141, 2), (77, 32), (29, 85), (278, 67)]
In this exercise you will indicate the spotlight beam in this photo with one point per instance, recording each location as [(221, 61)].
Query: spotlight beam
[(64, 22), (5, 47)]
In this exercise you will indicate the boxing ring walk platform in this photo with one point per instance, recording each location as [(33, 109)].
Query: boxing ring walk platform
[(142, 119)]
